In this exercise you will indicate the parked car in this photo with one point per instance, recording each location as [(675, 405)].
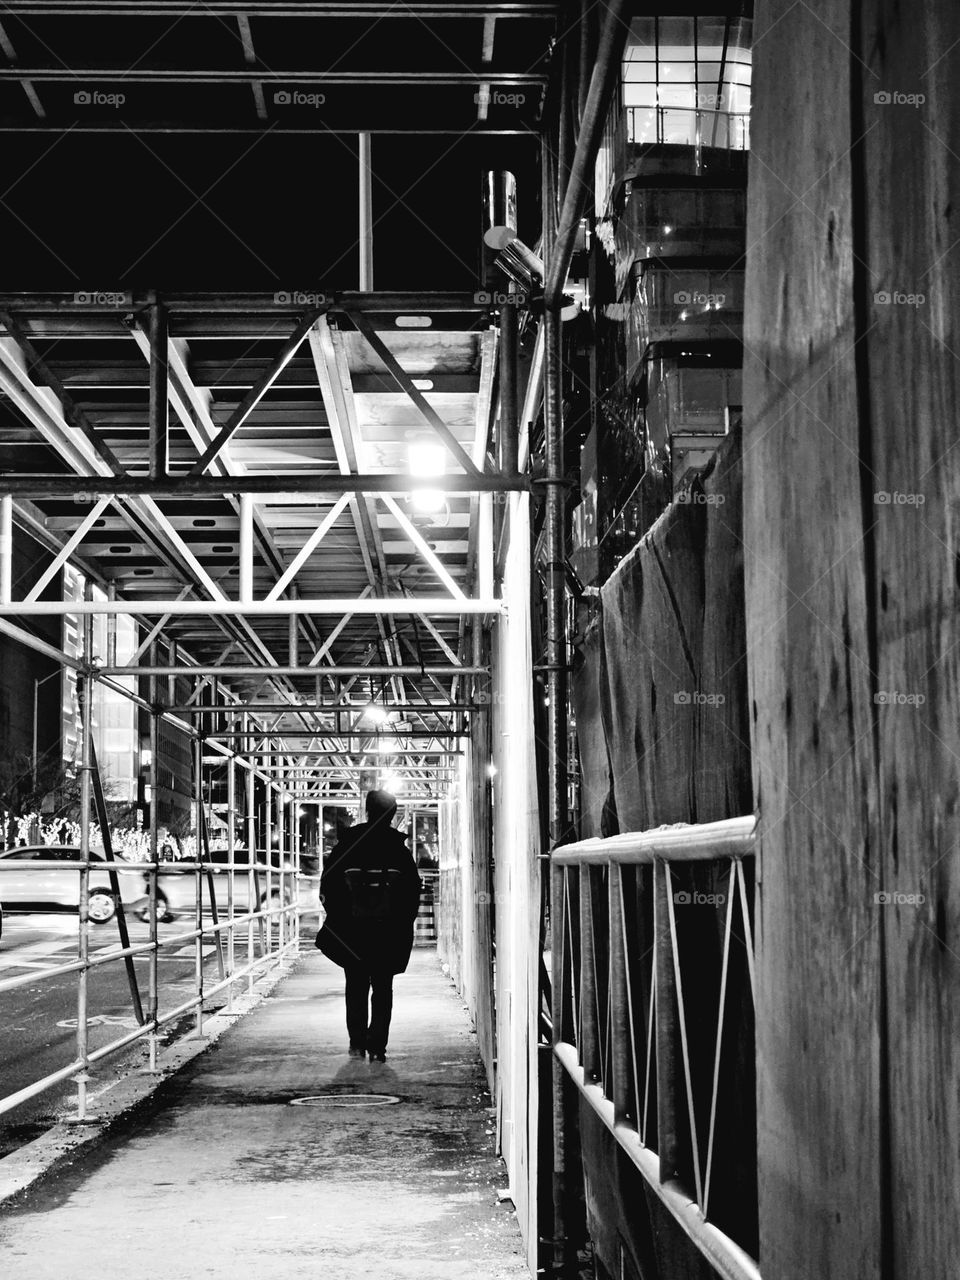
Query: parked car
[(176, 892), (42, 888)]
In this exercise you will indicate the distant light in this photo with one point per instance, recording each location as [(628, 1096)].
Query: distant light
[(492, 770), (668, 231), (379, 715)]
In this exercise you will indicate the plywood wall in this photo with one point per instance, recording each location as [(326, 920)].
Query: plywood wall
[(852, 489)]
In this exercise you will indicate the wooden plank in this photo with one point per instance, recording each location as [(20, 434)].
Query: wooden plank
[(909, 170), (818, 955)]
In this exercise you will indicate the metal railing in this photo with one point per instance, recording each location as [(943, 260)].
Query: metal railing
[(622, 1027), (274, 947), (688, 126)]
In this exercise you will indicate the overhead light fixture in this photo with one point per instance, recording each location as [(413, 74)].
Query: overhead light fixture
[(376, 713), (427, 460)]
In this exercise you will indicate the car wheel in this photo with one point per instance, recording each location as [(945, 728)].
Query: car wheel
[(101, 906), (163, 910)]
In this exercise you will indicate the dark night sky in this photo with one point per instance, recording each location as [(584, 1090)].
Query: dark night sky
[(241, 211)]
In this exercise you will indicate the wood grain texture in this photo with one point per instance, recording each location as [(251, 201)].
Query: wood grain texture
[(910, 172), (809, 673)]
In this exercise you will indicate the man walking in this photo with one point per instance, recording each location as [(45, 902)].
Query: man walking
[(371, 892)]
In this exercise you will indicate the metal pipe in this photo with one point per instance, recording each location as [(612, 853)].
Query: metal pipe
[(6, 548), (606, 70), (445, 605), (159, 409), (555, 575), (320, 708), (317, 484), (509, 438), (724, 1255), (153, 987), (85, 694), (230, 673), (365, 176), (689, 842), (198, 884)]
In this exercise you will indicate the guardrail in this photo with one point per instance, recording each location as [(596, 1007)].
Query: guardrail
[(275, 944), (621, 1025)]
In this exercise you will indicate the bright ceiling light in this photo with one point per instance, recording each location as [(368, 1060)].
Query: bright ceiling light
[(378, 714), (427, 460)]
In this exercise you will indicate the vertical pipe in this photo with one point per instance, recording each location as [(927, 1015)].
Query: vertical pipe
[(485, 547), (159, 395), (293, 644), (198, 883), (252, 857), (556, 643), (509, 424), (231, 855), (111, 628), (589, 1028), (172, 680), (619, 1090), (246, 547), (283, 831), (153, 991), (668, 1139), (268, 859), (366, 214), (6, 548), (85, 691)]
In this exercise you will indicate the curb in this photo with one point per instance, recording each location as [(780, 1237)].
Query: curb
[(20, 1169)]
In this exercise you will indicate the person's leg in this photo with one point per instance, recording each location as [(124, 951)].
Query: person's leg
[(381, 1009), (357, 999)]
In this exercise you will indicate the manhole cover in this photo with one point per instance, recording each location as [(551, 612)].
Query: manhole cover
[(346, 1100)]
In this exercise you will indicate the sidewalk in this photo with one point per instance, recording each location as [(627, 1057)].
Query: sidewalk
[(226, 1175)]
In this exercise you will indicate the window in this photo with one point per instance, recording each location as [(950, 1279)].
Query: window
[(687, 81)]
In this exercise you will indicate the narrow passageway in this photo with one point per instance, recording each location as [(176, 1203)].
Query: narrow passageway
[(231, 1175)]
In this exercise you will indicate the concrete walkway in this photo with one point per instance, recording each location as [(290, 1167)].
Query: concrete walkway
[(226, 1176)]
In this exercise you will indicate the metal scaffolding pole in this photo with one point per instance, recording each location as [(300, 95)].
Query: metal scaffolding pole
[(198, 884), (231, 858), (84, 693), (153, 991)]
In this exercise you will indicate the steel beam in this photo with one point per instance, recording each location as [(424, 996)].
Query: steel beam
[(88, 488), (248, 670), (256, 392), (363, 9), (443, 605), (52, 74)]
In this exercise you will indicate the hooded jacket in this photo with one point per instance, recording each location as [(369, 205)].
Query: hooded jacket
[(376, 944)]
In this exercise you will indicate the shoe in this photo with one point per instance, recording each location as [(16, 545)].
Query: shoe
[(378, 1055), (356, 1051)]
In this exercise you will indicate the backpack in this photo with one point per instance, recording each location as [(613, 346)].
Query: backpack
[(372, 892)]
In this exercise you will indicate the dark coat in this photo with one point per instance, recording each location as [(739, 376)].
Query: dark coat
[(376, 944)]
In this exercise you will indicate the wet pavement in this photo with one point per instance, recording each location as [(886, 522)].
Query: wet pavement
[(275, 1154)]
